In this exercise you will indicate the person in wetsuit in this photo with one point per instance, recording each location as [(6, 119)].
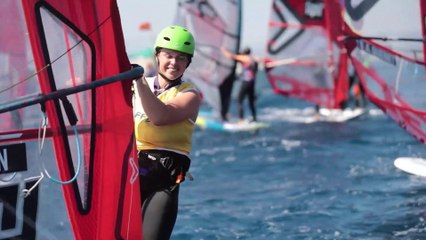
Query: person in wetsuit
[(165, 109), (248, 77), (356, 92)]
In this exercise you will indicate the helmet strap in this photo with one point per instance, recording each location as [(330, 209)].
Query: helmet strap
[(169, 81)]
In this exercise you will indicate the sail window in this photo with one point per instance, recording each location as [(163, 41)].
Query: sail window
[(71, 65)]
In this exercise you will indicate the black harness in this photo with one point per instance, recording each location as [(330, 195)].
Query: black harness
[(161, 169)]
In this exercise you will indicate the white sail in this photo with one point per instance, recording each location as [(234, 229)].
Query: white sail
[(215, 24), (389, 57)]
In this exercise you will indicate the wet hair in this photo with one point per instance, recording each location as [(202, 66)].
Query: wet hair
[(246, 51)]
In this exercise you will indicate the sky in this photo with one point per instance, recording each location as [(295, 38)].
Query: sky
[(160, 13)]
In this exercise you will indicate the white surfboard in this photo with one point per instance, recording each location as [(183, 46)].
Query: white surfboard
[(237, 126), (412, 165), (243, 126), (329, 115), (339, 115)]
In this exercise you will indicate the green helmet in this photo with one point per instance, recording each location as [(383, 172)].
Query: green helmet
[(176, 38)]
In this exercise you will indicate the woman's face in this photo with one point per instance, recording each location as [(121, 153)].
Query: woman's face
[(172, 64)]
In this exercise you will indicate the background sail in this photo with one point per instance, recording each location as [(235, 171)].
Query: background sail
[(390, 57), (55, 45), (304, 57), (215, 24)]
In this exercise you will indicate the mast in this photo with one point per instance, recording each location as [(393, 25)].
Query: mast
[(339, 68), (225, 88), (423, 24)]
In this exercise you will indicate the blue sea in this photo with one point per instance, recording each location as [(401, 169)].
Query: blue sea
[(302, 181)]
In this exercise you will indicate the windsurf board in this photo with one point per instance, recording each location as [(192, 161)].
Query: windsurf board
[(412, 165), (235, 126), (332, 115), (339, 115)]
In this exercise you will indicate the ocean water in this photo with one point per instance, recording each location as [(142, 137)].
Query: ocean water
[(303, 181)]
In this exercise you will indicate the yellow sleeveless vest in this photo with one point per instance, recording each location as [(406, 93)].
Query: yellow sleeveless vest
[(176, 137)]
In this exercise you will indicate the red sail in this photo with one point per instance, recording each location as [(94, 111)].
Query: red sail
[(68, 43), (390, 58)]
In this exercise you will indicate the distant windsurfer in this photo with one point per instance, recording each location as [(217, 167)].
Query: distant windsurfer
[(356, 91), (248, 77), (165, 109)]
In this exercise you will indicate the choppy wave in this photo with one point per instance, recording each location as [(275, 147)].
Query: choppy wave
[(303, 181)]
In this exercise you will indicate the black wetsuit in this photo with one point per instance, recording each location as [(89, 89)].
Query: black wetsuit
[(158, 170), (360, 99), (248, 78)]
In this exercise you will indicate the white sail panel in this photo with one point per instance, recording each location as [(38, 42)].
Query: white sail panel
[(215, 24), (389, 58), (392, 24), (304, 59)]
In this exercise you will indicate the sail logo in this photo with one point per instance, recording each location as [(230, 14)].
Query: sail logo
[(378, 52), (314, 9), (358, 9), (13, 158)]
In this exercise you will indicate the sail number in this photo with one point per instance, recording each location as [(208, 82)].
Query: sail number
[(13, 158), (17, 214)]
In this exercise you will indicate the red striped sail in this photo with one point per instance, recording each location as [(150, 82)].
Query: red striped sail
[(46, 46), (390, 59), (305, 57)]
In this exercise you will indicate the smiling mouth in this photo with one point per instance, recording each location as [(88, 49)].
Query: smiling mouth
[(172, 70)]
